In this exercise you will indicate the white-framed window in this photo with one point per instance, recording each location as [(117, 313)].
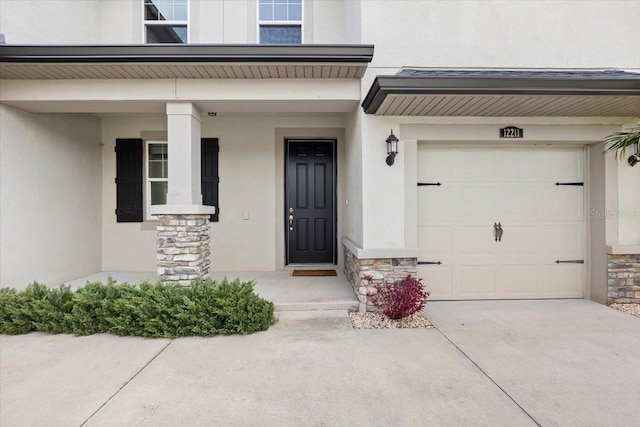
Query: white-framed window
[(166, 21), (280, 21), (157, 175)]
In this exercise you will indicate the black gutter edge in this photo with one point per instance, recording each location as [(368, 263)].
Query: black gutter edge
[(185, 53), (411, 85)]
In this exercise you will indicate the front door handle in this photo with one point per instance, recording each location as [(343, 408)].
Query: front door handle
[(290, 219)]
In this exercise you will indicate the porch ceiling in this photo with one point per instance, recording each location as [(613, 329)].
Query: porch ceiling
[(505, 93), (53, 62)]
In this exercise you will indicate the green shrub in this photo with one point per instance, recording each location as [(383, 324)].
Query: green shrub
[(37, 308), (161, 310)]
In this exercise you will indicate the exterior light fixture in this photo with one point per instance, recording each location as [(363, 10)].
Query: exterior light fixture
[(635, 158), (392, 148)]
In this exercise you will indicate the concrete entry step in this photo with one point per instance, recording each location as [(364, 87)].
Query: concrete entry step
[(317, 306), (288, 293)]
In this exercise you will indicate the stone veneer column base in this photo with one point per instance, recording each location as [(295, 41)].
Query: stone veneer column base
[(383, 270), (183, 251), (623, 279)]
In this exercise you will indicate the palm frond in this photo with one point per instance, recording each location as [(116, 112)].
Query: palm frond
[(620, 141)]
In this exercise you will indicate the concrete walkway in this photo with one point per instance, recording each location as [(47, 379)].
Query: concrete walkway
[(510, 363)]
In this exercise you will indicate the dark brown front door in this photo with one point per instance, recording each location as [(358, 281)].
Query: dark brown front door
[(310, 201)]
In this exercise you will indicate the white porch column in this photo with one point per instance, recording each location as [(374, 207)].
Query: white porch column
[(183, 129), (184, 195), (183, 223)]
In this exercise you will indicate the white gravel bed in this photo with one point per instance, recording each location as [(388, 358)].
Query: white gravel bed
[(632, 309), (371, 320)]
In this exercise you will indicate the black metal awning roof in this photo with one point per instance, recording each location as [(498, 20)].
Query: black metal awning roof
[(504, 93), (169, 60)]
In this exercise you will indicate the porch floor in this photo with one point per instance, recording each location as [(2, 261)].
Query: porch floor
[(288, 293)]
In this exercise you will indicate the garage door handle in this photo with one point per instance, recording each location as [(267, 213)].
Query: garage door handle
[(498, 231), (570, 261)]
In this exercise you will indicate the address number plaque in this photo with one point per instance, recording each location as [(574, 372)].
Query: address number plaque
[(511, 132)]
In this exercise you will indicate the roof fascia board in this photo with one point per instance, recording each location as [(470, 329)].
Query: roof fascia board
[(184, 53), (385, 85)]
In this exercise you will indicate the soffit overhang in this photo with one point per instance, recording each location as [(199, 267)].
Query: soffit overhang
[(505, 93), (58, 62)]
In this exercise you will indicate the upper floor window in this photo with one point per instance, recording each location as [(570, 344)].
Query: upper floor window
[(280, 21), (166, 21)]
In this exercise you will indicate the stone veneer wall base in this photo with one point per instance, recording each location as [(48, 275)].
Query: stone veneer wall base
[(623, 279), (183, 252), (382, 270)]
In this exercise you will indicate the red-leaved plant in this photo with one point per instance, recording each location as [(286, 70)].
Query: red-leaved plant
[(399, 299)]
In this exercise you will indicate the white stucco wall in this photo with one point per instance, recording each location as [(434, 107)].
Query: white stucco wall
[(352, 22), (125, 246), (353, 175), (382, 186), (251, 180), (328, 21), (50, 184), (498, 33), (629, 203), (51, 22), (121, 21)]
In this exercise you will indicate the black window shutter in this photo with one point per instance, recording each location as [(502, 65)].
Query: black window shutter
[(209, 174), (129, 180)]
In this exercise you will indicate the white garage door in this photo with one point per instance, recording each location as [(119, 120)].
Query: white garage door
[(535, 194)]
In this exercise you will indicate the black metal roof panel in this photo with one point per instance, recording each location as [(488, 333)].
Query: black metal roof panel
[(501, 82), (533, 74), (184, 53)]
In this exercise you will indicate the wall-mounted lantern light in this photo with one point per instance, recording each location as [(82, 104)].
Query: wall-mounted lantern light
[(635, 158), (392, 148)]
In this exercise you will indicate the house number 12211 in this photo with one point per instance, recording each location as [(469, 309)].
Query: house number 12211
[(511, 132)]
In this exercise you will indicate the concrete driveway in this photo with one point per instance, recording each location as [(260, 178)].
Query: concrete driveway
[(512, 363)]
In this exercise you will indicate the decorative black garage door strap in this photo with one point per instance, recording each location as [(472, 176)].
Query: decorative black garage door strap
[(429, 263), (570, 261), (575, 184), (427, 184)]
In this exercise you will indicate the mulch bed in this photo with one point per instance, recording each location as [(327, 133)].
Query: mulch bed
[(371, 320), (632, 309)]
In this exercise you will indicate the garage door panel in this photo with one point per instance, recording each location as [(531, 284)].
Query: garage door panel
[(563, 239), (563, 203), (520, 202), (562, 164), (435, 241), (476, 240), (520, 239), (518, 281), (477, 202), (477, 164), (438, 280), (561, 280), (435, 163), (476, 281), (519, 164), (435, 202)]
